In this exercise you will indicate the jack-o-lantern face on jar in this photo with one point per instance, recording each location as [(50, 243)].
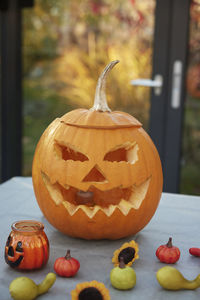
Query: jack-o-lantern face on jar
[(27, 246), (96, 173), (14, 252)]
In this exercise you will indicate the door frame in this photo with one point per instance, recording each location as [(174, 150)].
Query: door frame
[(11, 116), (170, 60)]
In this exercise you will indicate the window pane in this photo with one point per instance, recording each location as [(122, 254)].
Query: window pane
[(190, 183), (66, 46)]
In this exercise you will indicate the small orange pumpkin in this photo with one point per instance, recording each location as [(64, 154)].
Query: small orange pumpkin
[(27, 246), (168, 253), (66, 266), (97, 173)]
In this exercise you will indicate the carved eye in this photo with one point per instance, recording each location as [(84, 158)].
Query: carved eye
[(19, 247), (67, 153), (126, 152), (10, 251)]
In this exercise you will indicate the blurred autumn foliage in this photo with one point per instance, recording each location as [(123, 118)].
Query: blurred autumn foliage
[(66, 45)]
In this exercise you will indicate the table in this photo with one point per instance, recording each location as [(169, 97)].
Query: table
[(177, 216)]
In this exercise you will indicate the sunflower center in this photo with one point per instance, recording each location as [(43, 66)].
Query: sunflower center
[(128, 254), (90, 293)]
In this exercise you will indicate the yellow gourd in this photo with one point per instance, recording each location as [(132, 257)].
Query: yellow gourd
[(171, 279), (24, 288)]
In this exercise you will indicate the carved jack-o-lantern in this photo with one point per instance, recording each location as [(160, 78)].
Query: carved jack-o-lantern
[(27, 246), (96, 173)]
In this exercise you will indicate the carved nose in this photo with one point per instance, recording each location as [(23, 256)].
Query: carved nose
[(95, 175)]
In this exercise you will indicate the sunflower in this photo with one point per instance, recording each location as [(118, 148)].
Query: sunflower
[(92, 290), (129, 252)]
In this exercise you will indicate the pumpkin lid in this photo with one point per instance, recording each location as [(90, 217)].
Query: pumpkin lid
[(99, 120), (100, 115)]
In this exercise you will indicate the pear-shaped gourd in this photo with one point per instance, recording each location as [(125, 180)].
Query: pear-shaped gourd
[(123, 277), (172, 279), (24, 288)]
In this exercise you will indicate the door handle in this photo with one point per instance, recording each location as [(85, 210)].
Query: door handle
[(156, 83), (176, 84)]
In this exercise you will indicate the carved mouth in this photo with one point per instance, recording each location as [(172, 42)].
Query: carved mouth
[(94, 199), (14, 264)]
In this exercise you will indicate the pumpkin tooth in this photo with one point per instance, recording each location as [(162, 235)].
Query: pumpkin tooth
[(71, 208), (124, 206), (90, 211), (139, 194), (109, 210), (53, 189)]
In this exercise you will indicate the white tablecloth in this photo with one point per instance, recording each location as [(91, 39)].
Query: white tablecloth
[(177, 216)]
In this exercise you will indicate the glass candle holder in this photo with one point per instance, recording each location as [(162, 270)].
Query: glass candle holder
[(27, 246)]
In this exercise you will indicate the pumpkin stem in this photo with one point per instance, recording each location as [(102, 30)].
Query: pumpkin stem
[(169, 243), (100, 101), (121, 263), (68, 256)]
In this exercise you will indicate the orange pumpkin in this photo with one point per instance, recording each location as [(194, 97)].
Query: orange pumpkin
[(27, 247), (96, 173)]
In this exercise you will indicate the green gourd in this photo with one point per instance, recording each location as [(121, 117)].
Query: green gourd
[(24, 288), (171, 279), (123, 277)]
